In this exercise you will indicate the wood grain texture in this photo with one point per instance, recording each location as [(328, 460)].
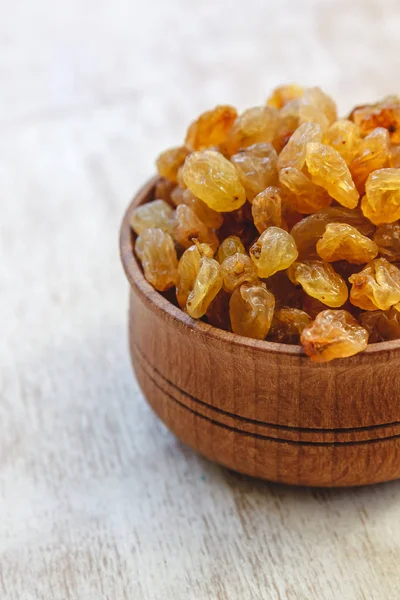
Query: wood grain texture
[(261, 408), (98, 500)]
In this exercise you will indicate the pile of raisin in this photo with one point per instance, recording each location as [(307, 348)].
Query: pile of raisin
[(282, 222)]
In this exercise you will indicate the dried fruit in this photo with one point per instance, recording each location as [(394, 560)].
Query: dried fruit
[(275, 250), (333, 334), (317, 107), (381, 203), (156, 250), (373, 153), (341, 241), (288, 324), (308, 231), (206, 286), (257, 169), (188, 227), (238, 269), (387, 237), (170, 161), (253, 126), (240, 184), (213, 179), (211, 218), (329, 170), (211, 128), (376, 286), (267, 209), (307, 196), (156, 214), (294, 153), (230, 246), (319, 280), (188, 268), (382, 114), (251, 310), (284, 94), (381, 325), (345, 137)]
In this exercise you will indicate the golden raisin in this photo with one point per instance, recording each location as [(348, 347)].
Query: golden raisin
[(373, 153), (333, 334), (230, 246), (211, 128), (382, 325), (251, 310), (188, 267), (253, 126), (382, 114), (387, 237), (284, 94), (319, 280), (341, 241), (170, 161), (257, 169), (345, 137), (294, 153), (381, 203), (206, 286), (211, 218), (287, 325), (238, 269), (163, 189), (329, 170), (157, 214), (317, 107), (275, 250), (188, 226), (213, 179), (376, 286), (266, 209), (307, 197), (156, 250)]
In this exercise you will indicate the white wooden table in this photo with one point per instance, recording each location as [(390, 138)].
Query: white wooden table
[(97, 500)]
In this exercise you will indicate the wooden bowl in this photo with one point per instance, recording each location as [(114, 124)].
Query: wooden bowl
[(258, 407)]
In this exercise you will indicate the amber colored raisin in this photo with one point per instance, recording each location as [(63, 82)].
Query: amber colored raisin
[(163, 190), (294, 153), (157, 214), (188, 267), (308, 231), (228, 247), (329, 170), (376, 286), (381, 203), (238, 269), (287, 325), (333, 334), (341, 241), (387, 237), (156, 250), (211, 128), (382, 325), (345, 137), (284, 94), (255, 125), (206, 286), (275, 250), (317, 107), (215, 180), (319, 280), (188, 227), (382, 114), (169, 162), (251, 310), (373, 153), (307, 197), (211, 218), (257, 169), (267, 209)]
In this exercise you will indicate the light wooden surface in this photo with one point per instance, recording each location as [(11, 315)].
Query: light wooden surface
[(97, 499)]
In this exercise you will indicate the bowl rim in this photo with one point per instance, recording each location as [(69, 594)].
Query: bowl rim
[(162, 305)]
